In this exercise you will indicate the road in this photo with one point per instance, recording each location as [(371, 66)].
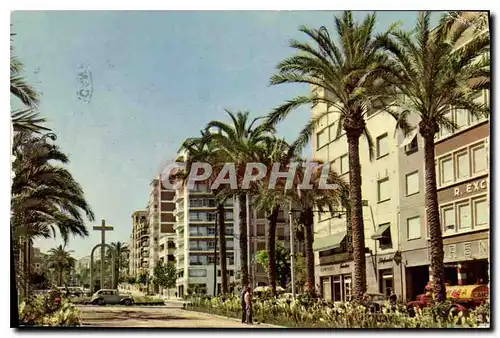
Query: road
[(170, 315)]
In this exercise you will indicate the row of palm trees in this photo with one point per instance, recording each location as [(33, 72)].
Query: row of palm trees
[(45, 196), (245, 141), (425, 72)]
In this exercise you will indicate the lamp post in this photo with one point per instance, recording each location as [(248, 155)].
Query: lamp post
[(215, 254)]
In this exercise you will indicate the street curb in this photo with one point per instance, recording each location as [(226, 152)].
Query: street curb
[(236, 320)]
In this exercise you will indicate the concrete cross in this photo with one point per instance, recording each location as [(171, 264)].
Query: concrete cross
[(103, 228)]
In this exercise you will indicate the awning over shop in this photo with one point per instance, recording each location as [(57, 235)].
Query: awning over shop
[(329, 242), (380, 232), (407, 140)]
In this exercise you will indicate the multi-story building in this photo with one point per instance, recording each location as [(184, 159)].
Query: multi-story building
[(161, 221), (334, 266), (139, 243), (393, 188), (462, 175), (196, 240)]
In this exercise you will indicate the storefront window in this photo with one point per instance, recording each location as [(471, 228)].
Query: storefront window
[(347, 288)]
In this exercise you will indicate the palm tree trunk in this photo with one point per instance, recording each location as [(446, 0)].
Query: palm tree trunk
[(308, 218), (61, 271), (432, 211), (271, 248), (357, 226), (222, 247), (243, 239)]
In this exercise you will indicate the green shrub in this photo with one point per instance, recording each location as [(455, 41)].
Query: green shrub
[(307, 311), (44, 311)]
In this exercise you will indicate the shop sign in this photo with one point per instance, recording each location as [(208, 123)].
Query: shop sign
[(466, 250), (469, 188), (385, 259), (333, 269)]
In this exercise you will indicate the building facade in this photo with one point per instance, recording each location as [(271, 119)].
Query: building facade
[(393, 187), (161, 221), (139, 244), (334, 266)]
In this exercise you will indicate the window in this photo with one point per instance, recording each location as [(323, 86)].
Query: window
[(385, 241), (448, 215), (479, 159), (322, 138), (383, 190), (412, 146), (344, 164), (446, 170), (333, 131), (412, 183), (445, 131), (413, 227), (229, 231), (382, 146), (229, 216), (461, 118), (197, 273), (464, 219), (481, 216), (462, 165), (229, 272)]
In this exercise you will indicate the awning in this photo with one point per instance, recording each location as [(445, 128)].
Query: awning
[(407, 140), (329, 242), (380, 231)]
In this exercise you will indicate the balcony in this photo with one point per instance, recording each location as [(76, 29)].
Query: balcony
[(178, 211)]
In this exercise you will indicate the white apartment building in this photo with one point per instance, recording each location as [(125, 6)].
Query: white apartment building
[(139, 243), (380, 194)]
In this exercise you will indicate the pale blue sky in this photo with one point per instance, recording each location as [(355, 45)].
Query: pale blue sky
[(158, 77)]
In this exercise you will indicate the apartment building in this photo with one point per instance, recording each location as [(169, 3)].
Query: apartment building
[(334, 266), (139, 243), (462, 174), (161, 221), (393, 186), (196, 239)]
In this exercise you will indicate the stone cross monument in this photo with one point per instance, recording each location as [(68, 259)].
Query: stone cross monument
[(103, 228)]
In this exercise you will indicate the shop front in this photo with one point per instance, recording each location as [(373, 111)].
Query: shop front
[(389, 274), (466, 259), (335, 267)]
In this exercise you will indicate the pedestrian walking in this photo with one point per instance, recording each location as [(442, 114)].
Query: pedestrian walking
[(243, 305), (248, 304)]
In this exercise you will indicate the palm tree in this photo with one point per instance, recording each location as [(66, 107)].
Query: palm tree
[(434, 76), (28, 118), (45, 197), (61, 261), (238, 144), (121, 251), (271, 200), (202, 149), (313, 200), (345, 77)]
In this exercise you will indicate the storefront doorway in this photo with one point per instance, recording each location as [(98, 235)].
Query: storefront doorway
[(337, 288), (416, 280)]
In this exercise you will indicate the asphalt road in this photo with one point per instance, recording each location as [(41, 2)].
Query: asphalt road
[(171, 315)]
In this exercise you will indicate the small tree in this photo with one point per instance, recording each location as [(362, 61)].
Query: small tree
[(283, 272), (164, 275)]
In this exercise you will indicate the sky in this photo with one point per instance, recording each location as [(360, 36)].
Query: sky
[(157, 78)]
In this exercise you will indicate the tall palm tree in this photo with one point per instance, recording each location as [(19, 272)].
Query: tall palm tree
[(202, 149), (345, 77), (434, 76), (272, 200), (313, 200), (61, 261), (121, 251), (45, 197), (238, 143)]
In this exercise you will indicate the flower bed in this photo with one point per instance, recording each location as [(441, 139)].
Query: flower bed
[(44, 311), (315, 314)]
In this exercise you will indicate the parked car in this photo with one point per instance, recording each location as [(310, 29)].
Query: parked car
[(111, 296)]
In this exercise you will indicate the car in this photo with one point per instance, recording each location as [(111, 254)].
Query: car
[(111, 296)]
